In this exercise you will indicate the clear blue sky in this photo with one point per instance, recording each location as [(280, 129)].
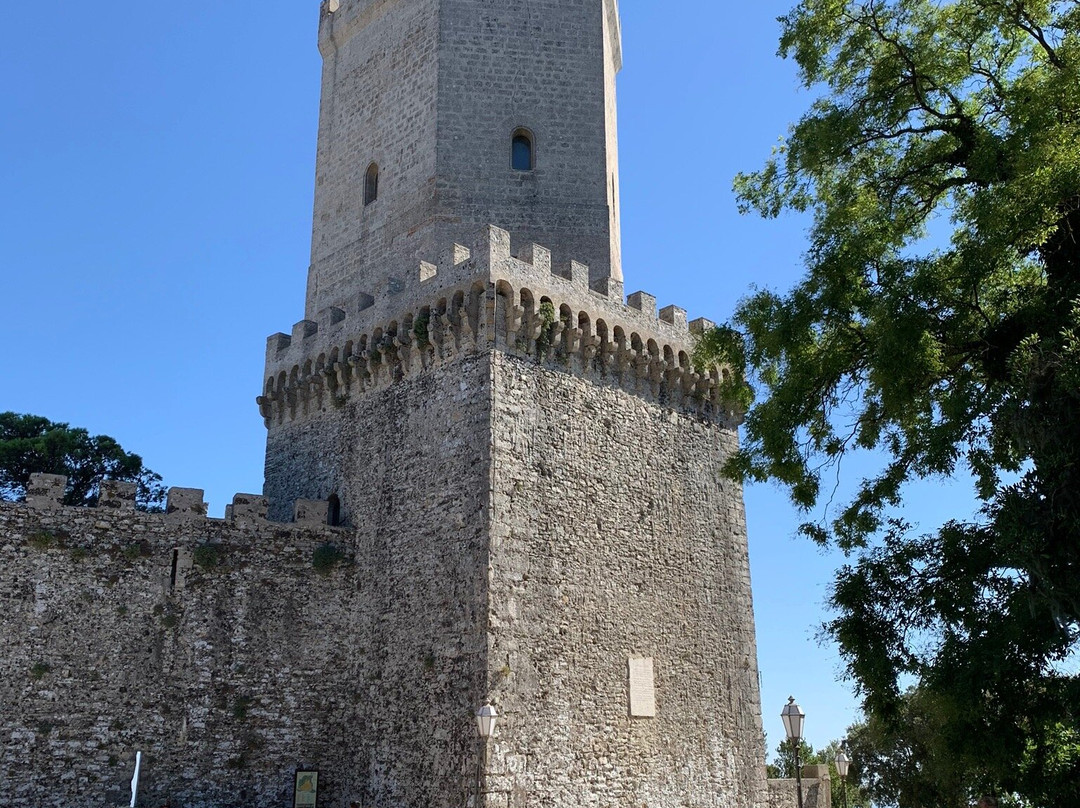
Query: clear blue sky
[(156, 176)]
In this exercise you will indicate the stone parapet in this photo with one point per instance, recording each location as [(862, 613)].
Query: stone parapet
[(485, 298), (816, 790), (45, 493)]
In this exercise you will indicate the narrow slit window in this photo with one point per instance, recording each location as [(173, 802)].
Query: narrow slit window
[(371, 184), (521, 151), (333, 511)]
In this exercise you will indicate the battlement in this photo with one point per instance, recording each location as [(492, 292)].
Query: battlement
[(485, 297), (45, 492)]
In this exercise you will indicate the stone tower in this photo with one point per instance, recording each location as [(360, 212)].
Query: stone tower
[(527, 463), (421, 104)]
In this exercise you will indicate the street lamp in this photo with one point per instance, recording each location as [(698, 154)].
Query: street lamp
[(842, 763), (485, 723), (793, 717)]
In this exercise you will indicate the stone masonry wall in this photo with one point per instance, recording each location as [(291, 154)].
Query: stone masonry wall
[(614, 537), (214, 647), (408, 463), (432, 91)]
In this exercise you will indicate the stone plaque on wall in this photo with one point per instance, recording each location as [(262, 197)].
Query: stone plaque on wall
[(642, 688)]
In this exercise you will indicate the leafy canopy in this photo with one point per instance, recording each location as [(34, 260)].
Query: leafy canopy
[(937, 325), (31, 444)]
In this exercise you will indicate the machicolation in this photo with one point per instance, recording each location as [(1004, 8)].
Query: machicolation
[(483, 298)]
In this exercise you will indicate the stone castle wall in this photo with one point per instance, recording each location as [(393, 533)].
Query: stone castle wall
[(615, 537), (213, 646), (572, 458)]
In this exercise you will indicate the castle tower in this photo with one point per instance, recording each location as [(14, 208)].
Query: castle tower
[(528, 463), (440, 116)]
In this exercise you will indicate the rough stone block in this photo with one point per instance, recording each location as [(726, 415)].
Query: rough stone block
[(459, 254), (117, 494), (46, 490), (701, 325), (249, 506), (579, 274), (539, 258), (311, 512), (330, 316), (185, 503), (611, 289), (304, 329), (643, 302), (674, 315), (276, 343)]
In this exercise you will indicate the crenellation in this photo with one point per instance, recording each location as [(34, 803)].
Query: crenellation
[(643, 302), (489, 297), (674, 315), (311, 512), (185, 503), (117, 494), (248, 508), (701, 325), (46, 491)]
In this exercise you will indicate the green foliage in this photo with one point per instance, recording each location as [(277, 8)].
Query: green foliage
[(79, 554), (912, 760), (546, 315), (783, 764), (208, 556), (241, 706), (137, 550), (43, 539), (943, 356), (39, 669), (420, 330), (31, 444), (726, 347), (325, 557)]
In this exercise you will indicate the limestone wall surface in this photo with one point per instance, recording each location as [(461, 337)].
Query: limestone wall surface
[(214, 647), (615, 538), (432, 92), (408, 463)]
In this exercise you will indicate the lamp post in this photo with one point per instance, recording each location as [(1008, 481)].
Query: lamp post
[(842, 763), (485, 723), (793, 717)]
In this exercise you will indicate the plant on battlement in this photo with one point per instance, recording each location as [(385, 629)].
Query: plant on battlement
[(39, 669), (326, 557), (30, 444), (208, 556), (546, 314), (420, 330), (43, 539)]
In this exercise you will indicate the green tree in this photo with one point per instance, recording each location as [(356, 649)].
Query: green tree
[(938, 325), (909, 763), (783, 764), (32, 444)]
